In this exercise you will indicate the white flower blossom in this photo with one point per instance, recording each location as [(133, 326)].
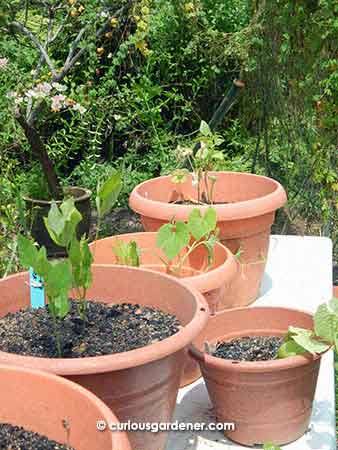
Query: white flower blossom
[(58, 102), (80, 108), (3, 62)]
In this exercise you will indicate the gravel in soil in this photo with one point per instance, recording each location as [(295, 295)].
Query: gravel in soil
[(17, 438), (249, 348), (108, 329)]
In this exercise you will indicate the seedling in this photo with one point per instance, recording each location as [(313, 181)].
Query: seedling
[(206, 159), (74, 272), (323, 336), (127, 253)]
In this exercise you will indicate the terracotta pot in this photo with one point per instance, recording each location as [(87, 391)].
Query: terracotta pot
[(245, 206), (335, 291), (38, 209), (40, 402), (210, 283), (268, 401), (140, 385)]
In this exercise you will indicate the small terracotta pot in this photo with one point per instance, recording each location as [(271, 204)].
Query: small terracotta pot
[(139, 385), (268, 401), (210, 283), (41, 402), (38, 209), (335, 291), (245, 206)]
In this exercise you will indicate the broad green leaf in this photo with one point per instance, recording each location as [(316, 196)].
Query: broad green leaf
[(201, 226), (62, 305), (205, 129), (61, 223), (290, 348), (58, 279), (28, 252), (305, 339), (86, 260), (108, 192), (172, 238), (81, 260), (325, 323)]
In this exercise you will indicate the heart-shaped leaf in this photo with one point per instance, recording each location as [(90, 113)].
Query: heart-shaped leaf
[(201, 226), (172, 238)]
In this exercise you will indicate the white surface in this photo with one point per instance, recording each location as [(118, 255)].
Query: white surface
[(298, 274)]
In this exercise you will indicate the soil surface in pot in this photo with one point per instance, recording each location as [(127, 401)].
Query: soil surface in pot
[(17, 438), (249, 348), (108, 329)]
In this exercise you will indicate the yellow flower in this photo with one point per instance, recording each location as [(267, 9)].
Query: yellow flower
[(114, 22), (189, 7), (71, 2), (81, 9), (74, 13), (109, 35), (100, 51)]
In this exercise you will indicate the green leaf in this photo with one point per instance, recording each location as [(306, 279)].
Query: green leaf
[(205, 129), (61, 223), (201, 226), (172, 238), (81, 260), (108, 192), (61, 305), (290, 348), (179, 176), (325, 323), (28, 252), (58, 279), (333, 304), (134, 254), (270, 446), (305, 339)]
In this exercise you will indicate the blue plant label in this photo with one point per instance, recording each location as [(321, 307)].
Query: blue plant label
[(37, 291)]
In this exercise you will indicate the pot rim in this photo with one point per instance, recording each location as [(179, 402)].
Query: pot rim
[(83, 197), (124, 360), (205, 281), (228, 212), (230, 365)]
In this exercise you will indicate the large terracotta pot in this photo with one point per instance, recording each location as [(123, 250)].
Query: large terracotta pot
[(38, 209), (140, 385), (245, 206), (268, 401), (211, 283), (41, 402)]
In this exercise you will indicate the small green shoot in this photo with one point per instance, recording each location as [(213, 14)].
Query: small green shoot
[(127, 253)]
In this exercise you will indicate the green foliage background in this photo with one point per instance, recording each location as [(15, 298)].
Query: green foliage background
[(166, 67)]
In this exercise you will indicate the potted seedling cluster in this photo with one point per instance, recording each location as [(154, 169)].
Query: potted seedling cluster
[(190, 251), (245, 206), (260, 367), (104, 327)]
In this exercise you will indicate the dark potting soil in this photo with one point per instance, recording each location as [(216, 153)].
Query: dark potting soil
[(17, 438), (108, 329), (249, 348)]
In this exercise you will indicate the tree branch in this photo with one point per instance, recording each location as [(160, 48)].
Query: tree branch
[(19, 26)]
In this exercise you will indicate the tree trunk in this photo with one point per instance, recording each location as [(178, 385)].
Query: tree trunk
[(40, 152)]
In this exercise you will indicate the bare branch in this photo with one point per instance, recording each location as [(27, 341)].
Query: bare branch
[(19, 26)]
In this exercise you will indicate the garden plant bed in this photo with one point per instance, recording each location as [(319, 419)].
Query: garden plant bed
[(249, 348), (17, 438), (108, 329)]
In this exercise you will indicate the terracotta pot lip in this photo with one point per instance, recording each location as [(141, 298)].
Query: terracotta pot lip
[(50, 377), (86, 194), (255, 366), (125, 360), (204, 282), (227, 212)]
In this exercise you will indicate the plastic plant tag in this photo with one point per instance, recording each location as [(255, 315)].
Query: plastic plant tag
[(37, 292)]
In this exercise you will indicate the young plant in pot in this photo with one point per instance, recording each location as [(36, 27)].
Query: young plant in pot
[(245, 205), (52, 413), (190, 251), (123, 335), (261, 365)]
